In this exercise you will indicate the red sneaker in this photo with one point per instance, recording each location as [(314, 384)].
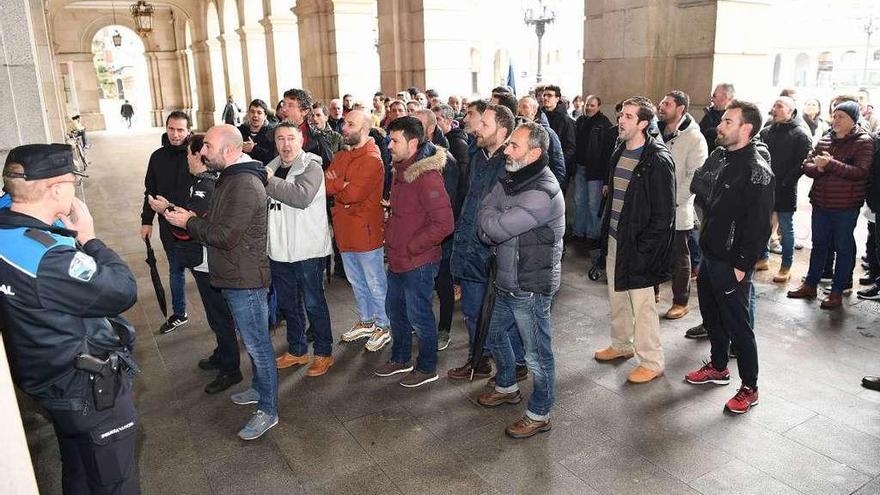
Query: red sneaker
[(708, 374), (744, 399)]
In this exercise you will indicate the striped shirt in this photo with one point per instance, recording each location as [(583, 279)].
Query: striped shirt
[(622, 175)]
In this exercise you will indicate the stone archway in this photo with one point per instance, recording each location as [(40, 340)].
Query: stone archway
[(121, 76)]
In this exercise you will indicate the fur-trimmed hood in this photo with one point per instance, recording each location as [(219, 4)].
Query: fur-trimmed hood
[(428, 157)]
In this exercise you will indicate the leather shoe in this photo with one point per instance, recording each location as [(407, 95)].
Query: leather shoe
[(223, 381), (493, 398), (871, 382), (783, 275), (483, 370), (643, 375), (526, 427), (320, 365), (209, 364), (677, 311), (832, 301), (287, 360), (610, 354), (803, 292)]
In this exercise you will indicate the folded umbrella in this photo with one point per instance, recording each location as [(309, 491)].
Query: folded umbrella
[(484, 320), (154, 276)]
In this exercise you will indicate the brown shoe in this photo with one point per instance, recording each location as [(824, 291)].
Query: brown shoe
[(320, 365), (833, 300), (803, 292), (762, 265), (493, 398), (643, 375), (677, 311), (287, 360), (610, 354), (526, 427), (484, 370), (783, 275)]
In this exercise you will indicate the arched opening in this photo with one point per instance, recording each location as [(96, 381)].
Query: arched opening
[(777, 65), (191, 71), (824, 68), (849, 70), (122, 76), (233, 56), (215, 54), (801, 68)]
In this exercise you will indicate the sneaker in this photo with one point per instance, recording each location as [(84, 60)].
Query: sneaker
[(522, 373), (173, 322), (416, 378), (493, 398), (442, 340), (526, 427), (731, 351), (392, 368), (380, 337), (287, 360), (798, 246), (697, 332), (249, 396), (826, 289), (483, 370), (744, 399), (871, 293), (259, 423), (708, 374), (359, 330), (223, 381)]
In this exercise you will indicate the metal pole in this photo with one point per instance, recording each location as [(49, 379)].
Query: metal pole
[(540, 56), (869, 30)]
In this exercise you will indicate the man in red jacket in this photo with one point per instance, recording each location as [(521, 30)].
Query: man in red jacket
[(421, 217)]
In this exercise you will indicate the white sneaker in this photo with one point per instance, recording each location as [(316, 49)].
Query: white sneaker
[(359, 330), (378, 340)]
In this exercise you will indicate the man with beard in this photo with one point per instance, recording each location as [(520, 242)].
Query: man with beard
[(234, 231), (722, 95), (167, 183), (354, 181), (257, 133), (591, 172), (735, 229), (523, 219)]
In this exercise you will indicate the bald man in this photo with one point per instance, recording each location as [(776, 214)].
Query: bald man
[(234, 231)]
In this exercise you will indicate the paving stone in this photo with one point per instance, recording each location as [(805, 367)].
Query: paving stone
[(839, 442), (739, 478)]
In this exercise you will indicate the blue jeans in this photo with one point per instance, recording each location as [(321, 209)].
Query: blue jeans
[(786, 228), (176, 281), (594, 212), (251, 314), (410, 304), (472, 294), (297, 283), (694, 247), (581, 198), (530, 313), (366, 274), (833, 229)]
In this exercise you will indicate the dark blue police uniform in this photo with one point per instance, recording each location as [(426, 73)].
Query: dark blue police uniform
[(60, 301)]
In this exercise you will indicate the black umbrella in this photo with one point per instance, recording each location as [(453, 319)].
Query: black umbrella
[(485, 318), (154, 275)]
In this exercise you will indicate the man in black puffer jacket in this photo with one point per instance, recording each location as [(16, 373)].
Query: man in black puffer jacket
[(640, 223), (561, 123)]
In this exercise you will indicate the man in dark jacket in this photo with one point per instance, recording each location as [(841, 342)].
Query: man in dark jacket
[(230, 112), (527, 109), (257, 133), (562, 124), (872, 292), (640, 222), (235, 232), (420, 218), (591, 170), (734, 232), (789, 145), (721, 96), (523, 219), (166, 183), (839, 166), (458, 143), (297, 107)]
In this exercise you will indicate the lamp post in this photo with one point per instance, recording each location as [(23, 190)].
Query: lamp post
[(117, 38), (870, 27), (540, 20), (143, 17)]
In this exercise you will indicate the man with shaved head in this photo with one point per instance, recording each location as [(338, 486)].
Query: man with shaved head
[(234, 231)]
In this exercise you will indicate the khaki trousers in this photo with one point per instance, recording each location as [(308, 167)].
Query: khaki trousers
[(635, 325)]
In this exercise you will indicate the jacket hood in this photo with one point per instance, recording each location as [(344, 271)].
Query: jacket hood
[(247, 166), (428, 157)]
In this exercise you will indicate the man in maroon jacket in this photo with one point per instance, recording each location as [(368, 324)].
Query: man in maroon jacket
[(421, 217)]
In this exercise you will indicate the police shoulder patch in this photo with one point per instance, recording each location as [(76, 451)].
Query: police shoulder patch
[(82, 267)]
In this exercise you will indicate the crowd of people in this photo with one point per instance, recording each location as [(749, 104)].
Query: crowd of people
[(474, 200)]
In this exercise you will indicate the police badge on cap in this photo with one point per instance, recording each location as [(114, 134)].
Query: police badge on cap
[(42, 161)]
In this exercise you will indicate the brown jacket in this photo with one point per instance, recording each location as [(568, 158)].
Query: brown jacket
[(844, 183), (235, 228), (358, 216)]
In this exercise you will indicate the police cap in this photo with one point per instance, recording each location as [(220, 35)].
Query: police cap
[(41, 161)]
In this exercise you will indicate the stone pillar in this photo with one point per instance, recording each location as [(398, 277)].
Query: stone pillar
[(231, 49), (357, 59), (316, 33), (255, 63), (165, 75), (185, 90), (206, 56), (282, 41), (85, 83)]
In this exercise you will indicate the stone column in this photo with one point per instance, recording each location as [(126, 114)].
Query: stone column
[(253, 51), (316, 33), (165, 75), (230, 47), (206, 54), (283, 56), (357, 58), (185, 90), (85, 83)]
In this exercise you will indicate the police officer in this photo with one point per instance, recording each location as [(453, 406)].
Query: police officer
[(61, 293)]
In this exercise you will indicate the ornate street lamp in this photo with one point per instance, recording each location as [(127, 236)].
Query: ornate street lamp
[(539, 19), (142, 12), (117, 38)]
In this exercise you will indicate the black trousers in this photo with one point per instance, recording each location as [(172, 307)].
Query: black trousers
[(724, 304), (445, 292), (220, 320), (97, 448)]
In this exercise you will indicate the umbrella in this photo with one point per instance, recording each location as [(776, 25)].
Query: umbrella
[(485, 318), (154, 275)]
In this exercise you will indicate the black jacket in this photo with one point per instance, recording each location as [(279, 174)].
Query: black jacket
[(168, 176), (562, 124), (189, 252), (590, 138), (59, 299), (646, 226), (709, 124), (873, 196), (458, 147), (736, 218), (789, 145), (264, 144)]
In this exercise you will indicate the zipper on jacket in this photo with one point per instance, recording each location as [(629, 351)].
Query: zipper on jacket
[(731, 234)]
